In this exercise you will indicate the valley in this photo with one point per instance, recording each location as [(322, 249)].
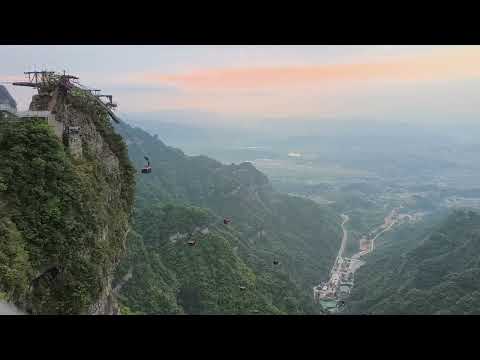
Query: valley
[(184, 259), (384, 196), (332, 294)]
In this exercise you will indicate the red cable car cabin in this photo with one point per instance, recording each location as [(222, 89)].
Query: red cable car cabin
[(146, 170)]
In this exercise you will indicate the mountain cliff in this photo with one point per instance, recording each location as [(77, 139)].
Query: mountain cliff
[(66, 194)]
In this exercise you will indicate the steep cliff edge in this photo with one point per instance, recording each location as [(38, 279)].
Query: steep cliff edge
[(66, 194)]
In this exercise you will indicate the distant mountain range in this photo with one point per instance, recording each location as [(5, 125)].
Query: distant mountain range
[(6, 98)]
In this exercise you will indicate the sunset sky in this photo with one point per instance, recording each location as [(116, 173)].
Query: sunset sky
[(255, 82)]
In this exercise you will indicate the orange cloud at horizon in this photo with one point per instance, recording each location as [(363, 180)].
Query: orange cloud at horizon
[(439, 64), (380, 85)]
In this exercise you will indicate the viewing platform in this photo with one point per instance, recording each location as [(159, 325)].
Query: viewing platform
[(29, 114), (26, 114)]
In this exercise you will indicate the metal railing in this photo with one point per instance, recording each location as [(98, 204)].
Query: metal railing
[(30, 113)]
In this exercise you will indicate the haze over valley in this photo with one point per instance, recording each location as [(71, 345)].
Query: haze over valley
[(362, 169)]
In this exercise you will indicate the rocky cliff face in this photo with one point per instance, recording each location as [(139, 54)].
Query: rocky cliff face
[(74, 237)]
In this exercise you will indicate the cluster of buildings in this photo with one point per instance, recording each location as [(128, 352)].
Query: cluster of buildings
[(330, 294)]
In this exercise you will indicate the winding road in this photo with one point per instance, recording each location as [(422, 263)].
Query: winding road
[(343, 268), (389, 221), (343, 243)]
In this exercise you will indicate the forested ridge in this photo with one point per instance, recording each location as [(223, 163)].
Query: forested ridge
[(435, 271), (230, 270)]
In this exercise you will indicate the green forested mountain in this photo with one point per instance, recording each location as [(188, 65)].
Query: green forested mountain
[(63, 219), (434, 272), (231, 267)]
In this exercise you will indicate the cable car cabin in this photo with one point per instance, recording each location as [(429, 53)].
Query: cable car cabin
[(191, 242), (275, 262), (147, 170), (243, 288), (226, 221)]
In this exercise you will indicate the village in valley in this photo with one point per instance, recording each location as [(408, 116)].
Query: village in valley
[(331, 294)]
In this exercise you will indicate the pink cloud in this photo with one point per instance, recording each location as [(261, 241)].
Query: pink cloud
[(439, 64)]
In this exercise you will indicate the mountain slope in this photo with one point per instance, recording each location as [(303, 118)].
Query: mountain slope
[(209, 277), (438, 274)]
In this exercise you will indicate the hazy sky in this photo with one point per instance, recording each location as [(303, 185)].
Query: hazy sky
[(254, 82)]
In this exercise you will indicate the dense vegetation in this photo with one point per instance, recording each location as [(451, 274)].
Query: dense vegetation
[(55, 249), (230, 269), (424, 271)]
